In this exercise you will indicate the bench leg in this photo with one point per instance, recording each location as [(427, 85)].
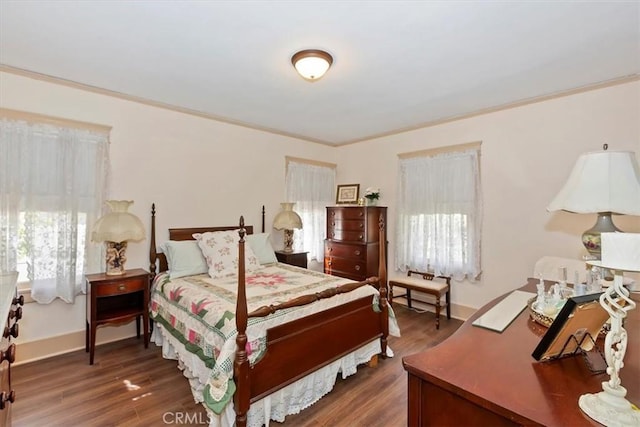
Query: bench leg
[(437, 312), (409, 298), (448, 299), (390, 292)]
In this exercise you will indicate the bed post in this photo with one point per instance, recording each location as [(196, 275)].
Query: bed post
[(241, 364), (263, 218), (382, 284), (152, 248)]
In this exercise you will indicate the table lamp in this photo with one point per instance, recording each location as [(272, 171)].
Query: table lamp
[(287, 220), (620, 252), (115, 229), (602, 182)]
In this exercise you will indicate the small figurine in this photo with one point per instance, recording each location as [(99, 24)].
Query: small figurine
[(541, 292)]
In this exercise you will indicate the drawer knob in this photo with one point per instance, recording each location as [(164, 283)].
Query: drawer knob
[(17, 313), (357, 268), (330, 249), (329, 263), (360, 237), (11, 331), (357, 252), (7, 397), (121, 287), (361, 225), (18, 301), (9, 354), (361, 213)]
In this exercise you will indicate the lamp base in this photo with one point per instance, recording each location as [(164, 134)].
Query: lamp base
[(609, 407), (591, 237), (116, 258), (288, 241)]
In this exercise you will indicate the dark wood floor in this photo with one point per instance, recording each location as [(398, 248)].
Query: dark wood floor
[(131, 386)]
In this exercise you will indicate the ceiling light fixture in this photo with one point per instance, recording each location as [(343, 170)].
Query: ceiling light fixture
[(311, 64)]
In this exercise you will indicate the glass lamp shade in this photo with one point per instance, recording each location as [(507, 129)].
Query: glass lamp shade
[(312, 64), (603, 182), (116, 228), (287, 220)]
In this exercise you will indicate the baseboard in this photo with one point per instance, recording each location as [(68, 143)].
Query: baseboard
[(460, 312), (32, 351)]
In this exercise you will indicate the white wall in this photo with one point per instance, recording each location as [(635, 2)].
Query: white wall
[(526, 156), (199, 172), (203, 172)]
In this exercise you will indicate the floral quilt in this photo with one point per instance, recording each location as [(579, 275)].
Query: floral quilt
[(199, 312)]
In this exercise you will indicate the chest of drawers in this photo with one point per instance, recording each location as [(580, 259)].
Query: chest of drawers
[(351, 249), (10, 314)]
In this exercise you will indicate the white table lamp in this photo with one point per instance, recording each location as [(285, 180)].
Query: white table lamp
[(115, 229), (620, 252), (287, 220), (602, 182)]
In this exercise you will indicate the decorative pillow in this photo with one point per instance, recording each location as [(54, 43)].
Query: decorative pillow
[(220, 250), (184, 258), (262, 248)]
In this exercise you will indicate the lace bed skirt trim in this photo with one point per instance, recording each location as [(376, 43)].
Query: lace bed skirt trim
[(287, 401)]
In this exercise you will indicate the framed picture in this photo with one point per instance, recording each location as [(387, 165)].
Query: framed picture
[(348, 194), (578, 317)]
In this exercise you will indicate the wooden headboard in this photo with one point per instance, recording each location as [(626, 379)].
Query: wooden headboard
[(157, 260)]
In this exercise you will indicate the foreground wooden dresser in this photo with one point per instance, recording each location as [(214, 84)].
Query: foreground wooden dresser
[(478, 377), (352, 243), (10, 314)]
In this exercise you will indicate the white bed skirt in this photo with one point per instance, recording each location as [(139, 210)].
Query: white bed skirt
[(289, 400)]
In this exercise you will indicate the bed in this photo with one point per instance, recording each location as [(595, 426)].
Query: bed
[(251, 355)]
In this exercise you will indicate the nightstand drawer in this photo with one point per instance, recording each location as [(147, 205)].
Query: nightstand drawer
[(121, 287)]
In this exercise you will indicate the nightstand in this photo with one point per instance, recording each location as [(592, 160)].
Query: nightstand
[(293, 258), (115, 300)]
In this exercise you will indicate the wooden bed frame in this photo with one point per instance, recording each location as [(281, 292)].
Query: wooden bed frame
[(300, 347)]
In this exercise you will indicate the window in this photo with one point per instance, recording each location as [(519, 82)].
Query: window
[(311, 186), (52, 184), (440, 214)]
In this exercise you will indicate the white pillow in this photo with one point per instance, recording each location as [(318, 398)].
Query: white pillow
[(220, 250), (184, 258), (261, 246)]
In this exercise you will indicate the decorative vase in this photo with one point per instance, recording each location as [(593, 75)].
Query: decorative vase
[(372, 202)]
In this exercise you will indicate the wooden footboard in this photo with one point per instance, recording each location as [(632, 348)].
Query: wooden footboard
[(300, 347)]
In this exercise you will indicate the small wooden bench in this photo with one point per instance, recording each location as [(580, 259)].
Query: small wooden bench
[(427, 285)]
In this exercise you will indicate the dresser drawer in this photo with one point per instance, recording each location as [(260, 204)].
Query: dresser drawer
[(344, 250), (346, 213), (347, 236), (346, 265), (121, 287), (347, 224)]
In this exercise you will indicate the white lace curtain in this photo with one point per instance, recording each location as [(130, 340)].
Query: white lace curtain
[(440, 214), (312, 188), (52, 186)]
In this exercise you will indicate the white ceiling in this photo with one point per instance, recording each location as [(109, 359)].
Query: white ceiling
[(397, 64)]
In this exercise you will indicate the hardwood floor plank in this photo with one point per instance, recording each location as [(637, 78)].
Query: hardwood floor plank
[(130, 386)]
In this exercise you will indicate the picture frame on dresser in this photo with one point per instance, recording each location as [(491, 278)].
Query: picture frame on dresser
[(575, 328), (347, 194)]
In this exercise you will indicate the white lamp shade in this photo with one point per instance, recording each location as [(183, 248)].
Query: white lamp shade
[(620, 251), (118, 225), (603, 181), (287, 219)]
